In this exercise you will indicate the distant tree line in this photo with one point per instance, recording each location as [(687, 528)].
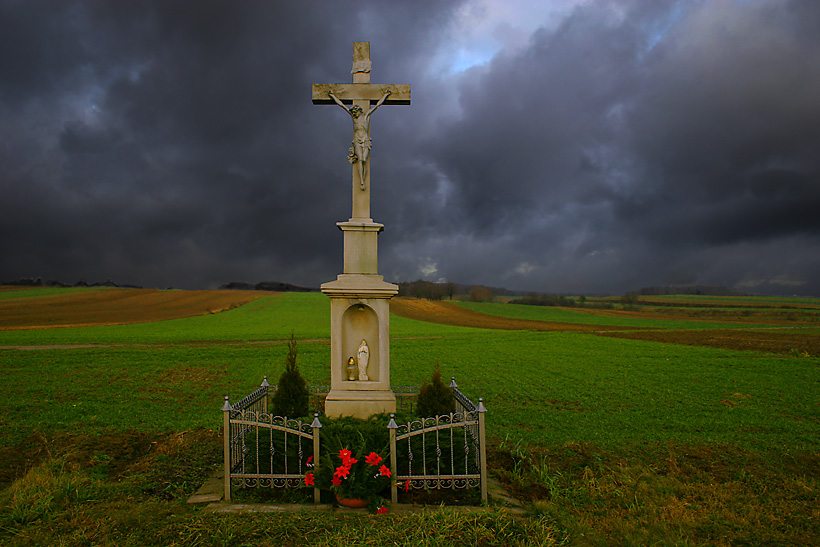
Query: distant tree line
[(40, 282), (628, 300), (427, 290), (439, 291), (548, 300), (559, 300), (276, 286), (705, 290), (480, 293)]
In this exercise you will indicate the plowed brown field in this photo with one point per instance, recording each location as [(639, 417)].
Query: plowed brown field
[(447, 313), (729, 302), (764, 316), (114, 306), (800, 342)]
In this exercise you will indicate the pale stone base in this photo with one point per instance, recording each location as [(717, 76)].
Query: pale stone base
[(359, 310), (360, 404)]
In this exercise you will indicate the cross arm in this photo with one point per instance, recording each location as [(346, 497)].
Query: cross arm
[(399, 93)]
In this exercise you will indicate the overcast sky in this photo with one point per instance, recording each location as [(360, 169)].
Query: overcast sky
[(561, 146)]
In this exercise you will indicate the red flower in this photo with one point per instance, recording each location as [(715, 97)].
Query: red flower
[(347, 457), (309, 462), (336, 480), (309, 479), (381, 510), (384, 471), (373, 459), (407, 485), (342, 472)]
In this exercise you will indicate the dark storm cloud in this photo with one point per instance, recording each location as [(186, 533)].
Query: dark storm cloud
[(624, 144), (627, 144), (175, 142)]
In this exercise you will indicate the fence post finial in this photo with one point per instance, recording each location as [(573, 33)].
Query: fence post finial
[(453, 381), (266, 386), (394, 466), (482, 448), (316, 425), (226, 448)]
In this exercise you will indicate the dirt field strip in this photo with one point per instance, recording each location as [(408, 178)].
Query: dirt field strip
[(750, 316), (115, 306), (728, 303), (800, 342), (447, 313), (12, 288)]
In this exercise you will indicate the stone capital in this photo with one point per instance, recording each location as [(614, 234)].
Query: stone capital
[(360, 286), (360, 225)]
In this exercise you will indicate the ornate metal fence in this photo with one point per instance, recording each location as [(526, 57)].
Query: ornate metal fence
[(448, 451), (406, 397), (264, 450), (261, 449)]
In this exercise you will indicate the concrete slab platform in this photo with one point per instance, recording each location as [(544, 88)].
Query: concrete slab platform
[(211, 491)]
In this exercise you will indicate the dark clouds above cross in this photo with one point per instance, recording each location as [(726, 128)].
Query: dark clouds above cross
[(595, 146)]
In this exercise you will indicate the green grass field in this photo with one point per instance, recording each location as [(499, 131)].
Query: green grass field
[(610, 441), (580, 315)]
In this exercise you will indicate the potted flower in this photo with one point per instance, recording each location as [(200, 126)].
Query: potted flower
[(356, 473)]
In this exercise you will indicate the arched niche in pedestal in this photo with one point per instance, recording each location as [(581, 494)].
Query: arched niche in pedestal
[(360, 322)]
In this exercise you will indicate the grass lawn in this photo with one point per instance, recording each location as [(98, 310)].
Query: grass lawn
[(610, 441)]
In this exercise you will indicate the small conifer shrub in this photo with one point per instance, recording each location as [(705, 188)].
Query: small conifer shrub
[(291, 397), (435, 397)]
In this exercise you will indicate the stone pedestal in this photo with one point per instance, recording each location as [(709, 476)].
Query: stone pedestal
[(359, 310), (361, 245)]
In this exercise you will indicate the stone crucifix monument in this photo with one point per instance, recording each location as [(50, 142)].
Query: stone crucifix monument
[(359, 297)]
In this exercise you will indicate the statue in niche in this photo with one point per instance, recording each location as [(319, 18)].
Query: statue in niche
[(362, 143), (364, 356)]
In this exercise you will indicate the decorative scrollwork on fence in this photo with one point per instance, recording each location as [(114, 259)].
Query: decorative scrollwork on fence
[(446, 451), (264, 450), (444, 460)]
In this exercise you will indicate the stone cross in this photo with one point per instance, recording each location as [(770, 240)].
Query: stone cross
[(359, 297), (365, 98)]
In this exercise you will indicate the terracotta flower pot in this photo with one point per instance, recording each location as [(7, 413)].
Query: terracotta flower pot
[(352, 503)]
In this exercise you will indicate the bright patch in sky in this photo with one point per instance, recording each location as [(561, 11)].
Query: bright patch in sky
[(482, 28), (662, 26), (428, 268), (467, 58), (524, 268)]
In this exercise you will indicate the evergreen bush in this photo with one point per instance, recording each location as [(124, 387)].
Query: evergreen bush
[(291, 397), (435, 397)]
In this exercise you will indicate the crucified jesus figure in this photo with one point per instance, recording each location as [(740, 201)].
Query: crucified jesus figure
[(361, 132)]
